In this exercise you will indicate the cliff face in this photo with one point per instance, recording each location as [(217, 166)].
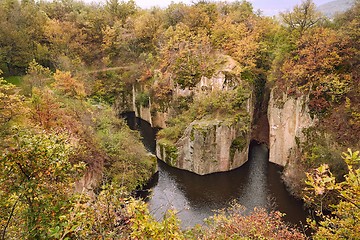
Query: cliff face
[(288, 117), (208, 147), (213, 143), (216, 145), (158, 119), (217, 141)]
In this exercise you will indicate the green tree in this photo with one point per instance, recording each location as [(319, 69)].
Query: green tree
[(302, 18), (21, 35), (37, 76), (36, 180), (120, 10)]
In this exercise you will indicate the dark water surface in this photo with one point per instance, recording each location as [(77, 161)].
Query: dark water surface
[(255, 184)]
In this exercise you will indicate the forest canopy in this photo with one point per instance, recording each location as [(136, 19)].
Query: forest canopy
[(68, 163)]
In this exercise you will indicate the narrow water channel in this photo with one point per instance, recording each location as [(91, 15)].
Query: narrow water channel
[(256, 184)]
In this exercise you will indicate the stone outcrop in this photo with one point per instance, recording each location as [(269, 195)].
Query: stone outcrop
[(155, 118), (218, 82), (288, 117), (207, 147)]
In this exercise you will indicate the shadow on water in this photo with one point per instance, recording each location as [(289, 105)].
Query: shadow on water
[(147, 132), (255, 184)]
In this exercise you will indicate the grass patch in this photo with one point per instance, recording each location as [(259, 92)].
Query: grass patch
[(16, 80)]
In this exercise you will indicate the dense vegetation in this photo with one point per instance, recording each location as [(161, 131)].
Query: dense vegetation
[(68, 163)]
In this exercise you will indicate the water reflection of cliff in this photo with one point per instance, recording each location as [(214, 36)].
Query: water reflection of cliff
[(256, 184)]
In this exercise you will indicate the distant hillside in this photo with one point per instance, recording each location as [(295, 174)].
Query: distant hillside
[(334, 7)]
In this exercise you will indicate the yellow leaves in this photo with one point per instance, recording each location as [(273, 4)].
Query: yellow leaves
[(144, 226), (64, 36), (321, 180), (239, 40), (351, 158), (303, 17), (11, 102), (38, 70), (344, 223), (68, 85)]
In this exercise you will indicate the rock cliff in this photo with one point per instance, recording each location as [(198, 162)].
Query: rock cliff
[(212, 143), (208, 147), (288, 117), (217, 141)]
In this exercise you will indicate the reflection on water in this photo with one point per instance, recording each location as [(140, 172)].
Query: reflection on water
[(256, 184)]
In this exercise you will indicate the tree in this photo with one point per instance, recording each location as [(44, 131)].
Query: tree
[(187, 55), (234, 224), (313, 68), (36, 178), (175, 13), (238, 11), (146, 28), (143, 225), (201, 16), (66, 41), (238, 33), (120, 11), (44, 109), (68, 85), (21, 35), (11, 103), (344, 221), (302, 18), (37, 76)]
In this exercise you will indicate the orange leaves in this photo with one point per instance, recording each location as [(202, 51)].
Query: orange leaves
[(321, 49), (318, 53), (64, 37), (45, 108), (68, 85), (239, 40), (11, 103), (257, 225), (314, 66)]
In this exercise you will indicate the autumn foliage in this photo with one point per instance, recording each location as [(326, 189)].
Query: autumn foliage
[(68, 163)]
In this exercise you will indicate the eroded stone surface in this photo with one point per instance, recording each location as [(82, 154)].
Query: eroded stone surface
[(208, 147), (288, 117)]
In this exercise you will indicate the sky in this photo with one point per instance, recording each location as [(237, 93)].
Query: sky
[(268, 7)]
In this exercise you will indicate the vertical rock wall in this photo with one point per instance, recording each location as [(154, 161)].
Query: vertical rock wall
[(288, 117), (211, 145), (208, 147), (156, 119)]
